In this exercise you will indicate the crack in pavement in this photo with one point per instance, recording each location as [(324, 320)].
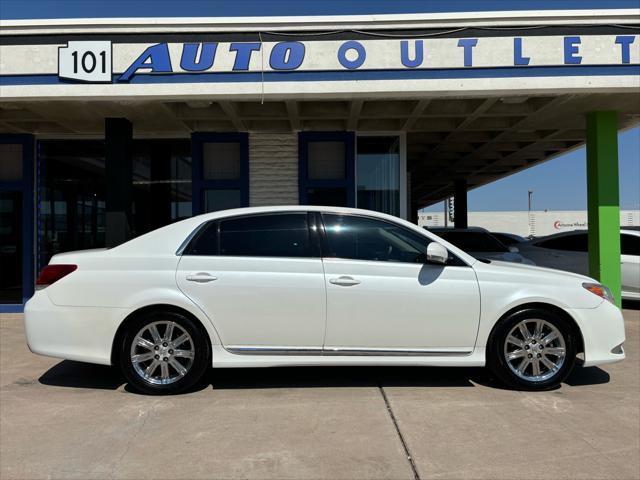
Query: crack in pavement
[(412, 464)]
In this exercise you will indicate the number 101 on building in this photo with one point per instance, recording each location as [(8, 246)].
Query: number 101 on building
[(85, 61)]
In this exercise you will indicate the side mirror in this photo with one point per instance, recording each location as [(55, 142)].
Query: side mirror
[(436, 253), (513, 249)]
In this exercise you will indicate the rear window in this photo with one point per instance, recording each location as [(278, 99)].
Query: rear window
[(473, 241)]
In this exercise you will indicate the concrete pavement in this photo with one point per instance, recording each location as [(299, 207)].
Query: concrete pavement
[(62, 419)]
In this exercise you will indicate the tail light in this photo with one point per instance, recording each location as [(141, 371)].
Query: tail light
[(52, 273)]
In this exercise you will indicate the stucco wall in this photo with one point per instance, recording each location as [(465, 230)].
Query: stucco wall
[(273, 169)]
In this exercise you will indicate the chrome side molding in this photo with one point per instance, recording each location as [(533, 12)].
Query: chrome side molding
[(344, 352)]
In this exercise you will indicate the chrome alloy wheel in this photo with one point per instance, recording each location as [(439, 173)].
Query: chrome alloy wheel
[(535, 350), (162, 352)]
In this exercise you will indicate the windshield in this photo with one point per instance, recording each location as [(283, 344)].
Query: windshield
[(471, 241)]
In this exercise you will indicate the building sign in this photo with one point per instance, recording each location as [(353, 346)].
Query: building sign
[(90, 61), (86, 61), (559, 225)]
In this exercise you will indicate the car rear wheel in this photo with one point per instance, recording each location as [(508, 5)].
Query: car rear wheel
[(163, 353), (532, 349)]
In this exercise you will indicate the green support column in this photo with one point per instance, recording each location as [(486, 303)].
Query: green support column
[(603, 200)]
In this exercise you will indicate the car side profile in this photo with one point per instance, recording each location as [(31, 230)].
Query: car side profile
[(570, 251), (303, 285)]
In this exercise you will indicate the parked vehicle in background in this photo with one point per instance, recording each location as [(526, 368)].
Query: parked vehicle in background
[(569, 251), (509, 239), (481, 244), (300, 285)]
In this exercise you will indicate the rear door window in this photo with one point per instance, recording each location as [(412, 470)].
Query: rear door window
[(278, 235), (272, 235)]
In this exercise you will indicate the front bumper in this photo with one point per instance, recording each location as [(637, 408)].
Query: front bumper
[(603, 333), (84, 334)]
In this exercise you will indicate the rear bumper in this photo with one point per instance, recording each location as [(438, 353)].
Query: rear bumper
[(84, 334), (603, 333)]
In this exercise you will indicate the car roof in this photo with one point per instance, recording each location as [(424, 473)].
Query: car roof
[(234, 212)]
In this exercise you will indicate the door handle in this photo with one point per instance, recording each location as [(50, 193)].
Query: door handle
[(344, 281), (201, 277)]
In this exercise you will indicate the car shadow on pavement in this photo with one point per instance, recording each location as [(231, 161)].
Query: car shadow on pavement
[(84, 375), (582, 376), (319, 377)]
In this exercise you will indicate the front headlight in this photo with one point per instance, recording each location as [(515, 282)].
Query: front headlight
[(600, 290)]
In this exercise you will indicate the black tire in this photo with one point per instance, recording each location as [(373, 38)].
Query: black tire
[(498, 364), (198, 343)]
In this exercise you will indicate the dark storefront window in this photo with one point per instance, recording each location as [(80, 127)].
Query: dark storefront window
[(161, 183), (16, 220), (221, 166), (71, 196), (10, 247), (326, 169), (10, 225), (73, 184)]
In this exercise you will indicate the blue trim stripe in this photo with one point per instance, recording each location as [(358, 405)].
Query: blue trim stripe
[(319, 76), (11, 308), (60, 9)]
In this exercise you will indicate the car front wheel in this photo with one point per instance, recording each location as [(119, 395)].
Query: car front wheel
[(532, 349), (163, 353)]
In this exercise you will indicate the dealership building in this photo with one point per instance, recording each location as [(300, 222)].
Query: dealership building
[(119, 117)]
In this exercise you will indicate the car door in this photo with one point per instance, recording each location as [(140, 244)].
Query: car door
[(630, 264), (260, 280), (382, 298)]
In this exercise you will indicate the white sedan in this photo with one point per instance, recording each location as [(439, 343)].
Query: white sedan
[(299, 285), (569, 251)]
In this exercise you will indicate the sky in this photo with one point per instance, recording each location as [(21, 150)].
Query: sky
[(559, 184)]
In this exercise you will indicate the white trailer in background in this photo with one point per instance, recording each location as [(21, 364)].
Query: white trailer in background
[(536, 223)]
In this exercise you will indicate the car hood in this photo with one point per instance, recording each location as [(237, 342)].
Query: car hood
[(548, 273)]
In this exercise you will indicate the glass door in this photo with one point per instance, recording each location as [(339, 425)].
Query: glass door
[(381, 173)]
